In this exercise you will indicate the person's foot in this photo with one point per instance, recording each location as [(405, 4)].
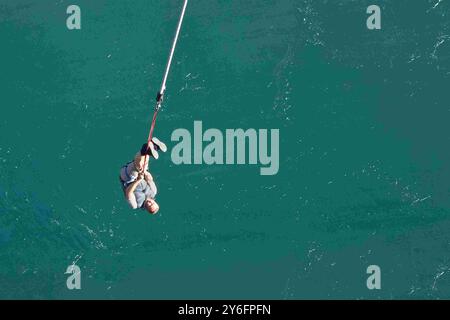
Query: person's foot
[(159, 145), (152, 151)]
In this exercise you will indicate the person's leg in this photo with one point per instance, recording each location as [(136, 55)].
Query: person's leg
[(149, 149)]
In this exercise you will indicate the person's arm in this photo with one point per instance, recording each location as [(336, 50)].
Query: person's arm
[(147, 176), (150, 181), (129, 192)]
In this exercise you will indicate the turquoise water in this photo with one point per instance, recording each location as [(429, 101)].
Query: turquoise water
[(364, 172)]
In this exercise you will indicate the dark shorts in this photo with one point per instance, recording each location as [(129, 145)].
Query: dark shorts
[(124, 184)]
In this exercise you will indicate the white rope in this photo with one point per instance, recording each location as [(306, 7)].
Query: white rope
[(169, 62)]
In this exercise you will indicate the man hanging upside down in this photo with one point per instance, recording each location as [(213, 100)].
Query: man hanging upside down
[(137, 182)]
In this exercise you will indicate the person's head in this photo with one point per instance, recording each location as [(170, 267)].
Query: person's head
[(151, 206)]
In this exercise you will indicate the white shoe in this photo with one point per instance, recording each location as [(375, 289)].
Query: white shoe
[(159, 144), (153, 151)]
